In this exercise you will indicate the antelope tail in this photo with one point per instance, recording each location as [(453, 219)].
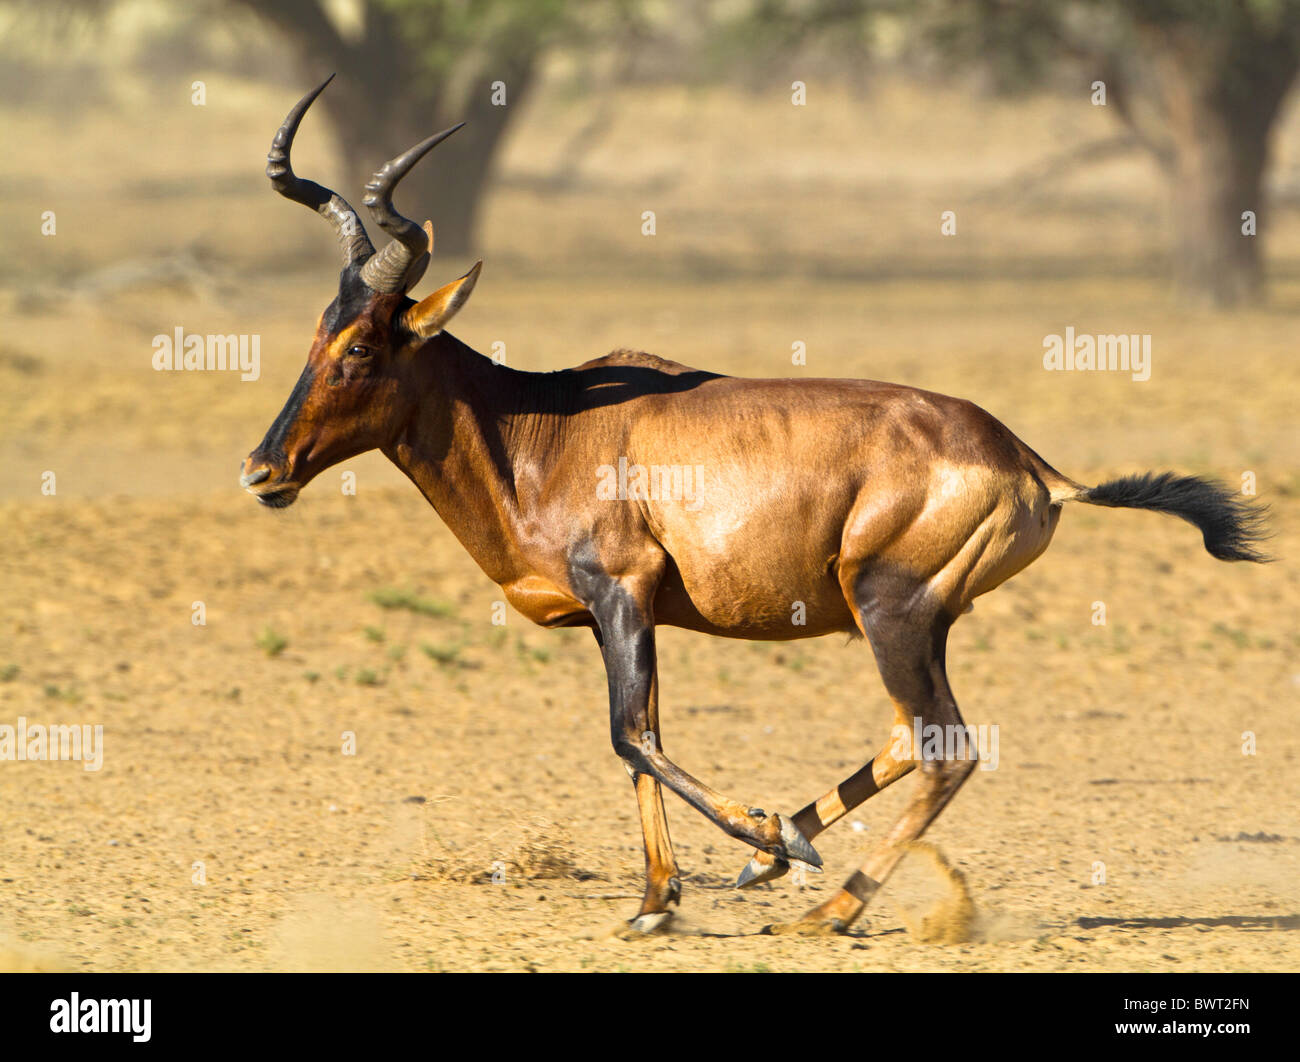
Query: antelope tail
[(1232, 527)]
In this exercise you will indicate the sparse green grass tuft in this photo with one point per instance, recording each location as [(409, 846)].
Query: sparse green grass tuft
[(271, 642), (68, 695), (1239, 638), (739, 967), (442, 654), (392, 598)]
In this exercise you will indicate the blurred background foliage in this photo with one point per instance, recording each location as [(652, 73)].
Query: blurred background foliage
[(1195, 87)]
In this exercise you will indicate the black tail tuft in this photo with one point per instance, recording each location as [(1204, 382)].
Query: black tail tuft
[(1231, 526)]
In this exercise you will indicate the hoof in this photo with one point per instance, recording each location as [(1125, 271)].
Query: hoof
[(796, 846), (796, 853), (644, 925), (761, 868), (831, 928)]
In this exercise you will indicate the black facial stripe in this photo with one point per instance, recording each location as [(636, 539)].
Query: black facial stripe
[(273, 445), (351, 301)]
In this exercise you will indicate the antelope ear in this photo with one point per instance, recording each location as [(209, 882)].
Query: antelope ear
[(427, 317)]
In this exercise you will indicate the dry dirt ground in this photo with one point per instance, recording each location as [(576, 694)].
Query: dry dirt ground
[(1123, 828), (483, 748)]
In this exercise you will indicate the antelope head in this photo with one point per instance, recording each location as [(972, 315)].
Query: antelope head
[(354, 394)]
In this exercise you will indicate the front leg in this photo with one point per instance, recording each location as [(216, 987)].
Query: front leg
[(662, 884), (622, 610)]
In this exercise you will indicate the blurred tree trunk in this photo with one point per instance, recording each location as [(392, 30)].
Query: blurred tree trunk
[(1216, 175), (388, 97), (1211, 102)]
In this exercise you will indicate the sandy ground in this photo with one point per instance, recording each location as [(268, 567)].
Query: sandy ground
[(1122, 829), (483, 748)]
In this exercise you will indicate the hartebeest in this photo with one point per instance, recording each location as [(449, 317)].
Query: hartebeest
[(884, 510)]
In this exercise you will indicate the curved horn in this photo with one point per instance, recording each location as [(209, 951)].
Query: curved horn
[(402, 262), (330, 205)]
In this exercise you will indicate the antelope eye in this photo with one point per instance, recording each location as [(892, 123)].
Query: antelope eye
[(359, 352)]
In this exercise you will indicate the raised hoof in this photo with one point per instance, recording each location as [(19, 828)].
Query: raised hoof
[(644, 925), (797, 848), (761, 868), (833, 927)]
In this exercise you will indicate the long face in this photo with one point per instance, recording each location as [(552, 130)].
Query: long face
[(354, 394), (349, 399)]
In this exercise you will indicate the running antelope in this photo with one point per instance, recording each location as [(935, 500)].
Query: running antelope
[(908, 505)]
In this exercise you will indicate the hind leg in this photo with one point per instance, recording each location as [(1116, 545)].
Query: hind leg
[(909, 642), (887, 766)]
